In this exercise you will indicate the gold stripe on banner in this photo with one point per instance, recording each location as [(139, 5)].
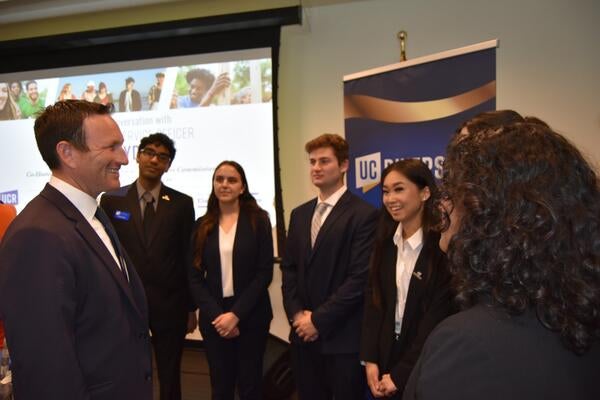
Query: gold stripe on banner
[(366, 188), (360, 106)]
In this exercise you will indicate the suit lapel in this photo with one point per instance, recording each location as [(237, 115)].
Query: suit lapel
[(133, 203), (339, 209), (417, 283), (91, 238)]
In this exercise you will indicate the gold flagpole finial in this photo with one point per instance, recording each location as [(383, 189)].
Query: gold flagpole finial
[(402, 35)]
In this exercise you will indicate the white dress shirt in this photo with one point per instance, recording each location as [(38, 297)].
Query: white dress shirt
[(408, 253), (331, 201), (87, 206), (226, 242)]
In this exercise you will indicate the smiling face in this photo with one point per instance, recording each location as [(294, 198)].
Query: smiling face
[(227, 185), (15, 89), (97, 169), (198, 89), (404, 200), (32, 92), (3, 95)]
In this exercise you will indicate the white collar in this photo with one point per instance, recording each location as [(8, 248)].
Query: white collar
[(85, 203), (414, 241), (154, 192), (334, 198)]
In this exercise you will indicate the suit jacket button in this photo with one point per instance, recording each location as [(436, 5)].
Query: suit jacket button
[(148, 377)]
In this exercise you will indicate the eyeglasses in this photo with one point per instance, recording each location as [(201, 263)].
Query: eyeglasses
[(230, 179), (150, 154)]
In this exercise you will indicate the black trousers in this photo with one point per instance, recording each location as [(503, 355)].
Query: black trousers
[(327, 376), (168, 350), (236, 362)]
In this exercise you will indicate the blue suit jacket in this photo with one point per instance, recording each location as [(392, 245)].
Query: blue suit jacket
[(75, 328), (329, 279)]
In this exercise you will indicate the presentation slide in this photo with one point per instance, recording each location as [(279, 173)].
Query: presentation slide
[(215, 107)]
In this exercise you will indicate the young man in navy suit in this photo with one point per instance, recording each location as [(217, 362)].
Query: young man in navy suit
[(325, 270), (73, 305), (154, 223)]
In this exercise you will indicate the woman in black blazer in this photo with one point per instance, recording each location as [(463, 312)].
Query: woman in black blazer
[(408, 292), (232, 267)]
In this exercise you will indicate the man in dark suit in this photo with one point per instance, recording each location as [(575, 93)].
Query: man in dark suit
[(154, 223), (324, 277), (73, 305)]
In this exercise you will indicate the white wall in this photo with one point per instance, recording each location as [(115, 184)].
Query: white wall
[(548, 64)]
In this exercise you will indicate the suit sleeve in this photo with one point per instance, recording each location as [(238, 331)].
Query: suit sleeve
[(438, 308), (453, 365), (349, 294), (264, 270), (187, 224), (206, 303), (40, 306), (289, 269), (371, 326)]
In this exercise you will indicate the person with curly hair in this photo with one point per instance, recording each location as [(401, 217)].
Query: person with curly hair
[(522, 234), (408, 292)]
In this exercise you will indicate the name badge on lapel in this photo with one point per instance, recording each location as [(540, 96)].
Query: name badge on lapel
[(122, 215)]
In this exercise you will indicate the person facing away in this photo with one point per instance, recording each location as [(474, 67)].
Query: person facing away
[(231, 269), (521, 210), (325, 270), (72, 303), (154, 224), (408, 292)]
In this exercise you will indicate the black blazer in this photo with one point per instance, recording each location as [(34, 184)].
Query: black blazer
[(252, 274), (161, 264), (75, 328), (329, 279), (483, 353), (428, 302)]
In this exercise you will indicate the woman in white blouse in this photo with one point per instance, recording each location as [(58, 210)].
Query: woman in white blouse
[(231, 269), (408, 292)]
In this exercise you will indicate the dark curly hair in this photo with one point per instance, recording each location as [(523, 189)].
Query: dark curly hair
[(529, 235)]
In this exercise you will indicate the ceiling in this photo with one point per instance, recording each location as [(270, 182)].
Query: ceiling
[(12, 11)]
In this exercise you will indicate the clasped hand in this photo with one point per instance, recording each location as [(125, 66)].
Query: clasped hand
[(304, 326), (379, 387), (226, 325)]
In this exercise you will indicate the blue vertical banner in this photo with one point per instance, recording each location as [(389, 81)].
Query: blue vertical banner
[(411, 109)]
